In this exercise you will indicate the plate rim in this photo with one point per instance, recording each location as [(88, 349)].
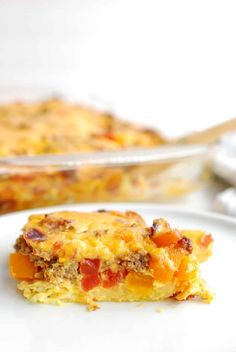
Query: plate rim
[(152, 206)]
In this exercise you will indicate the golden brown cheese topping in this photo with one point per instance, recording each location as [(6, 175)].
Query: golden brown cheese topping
[(76, 235), (57, 127)]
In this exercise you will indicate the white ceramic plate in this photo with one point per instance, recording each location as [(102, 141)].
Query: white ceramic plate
[(181, 326)]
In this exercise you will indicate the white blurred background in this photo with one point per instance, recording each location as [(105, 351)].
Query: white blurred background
[(171, 64)]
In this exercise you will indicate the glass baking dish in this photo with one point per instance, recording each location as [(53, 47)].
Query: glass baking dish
[(48, 127), (38, 188)]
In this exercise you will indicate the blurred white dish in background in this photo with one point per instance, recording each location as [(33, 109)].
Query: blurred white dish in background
[(224, 159), (225, 202), (224, 166)]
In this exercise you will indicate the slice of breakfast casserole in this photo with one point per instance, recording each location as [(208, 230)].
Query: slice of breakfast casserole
[(107, 256)]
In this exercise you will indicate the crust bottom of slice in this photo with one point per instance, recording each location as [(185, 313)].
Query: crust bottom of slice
[(66, 291)]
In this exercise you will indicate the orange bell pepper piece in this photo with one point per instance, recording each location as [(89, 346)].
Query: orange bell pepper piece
[(138, 282), (166, 239), (21, 268), (184, 274), (162, 271)]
